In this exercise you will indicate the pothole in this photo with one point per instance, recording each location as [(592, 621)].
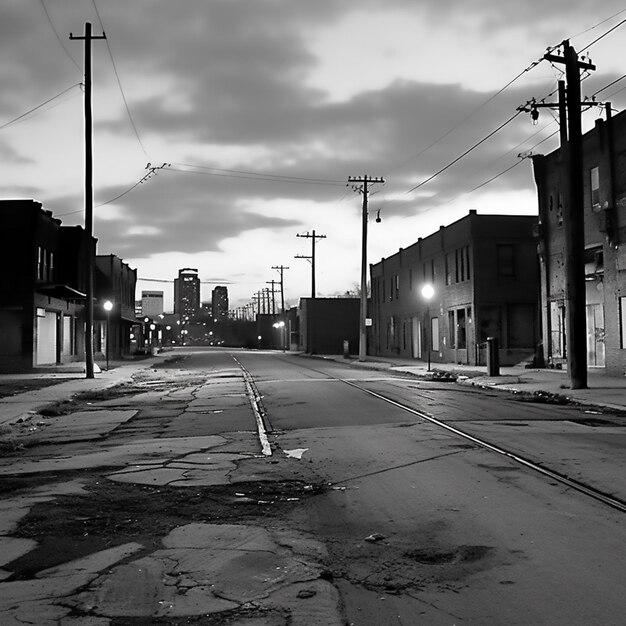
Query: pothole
[(462, 554)]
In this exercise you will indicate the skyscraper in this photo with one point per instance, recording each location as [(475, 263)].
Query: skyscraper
[(187, 292), (219, 303)]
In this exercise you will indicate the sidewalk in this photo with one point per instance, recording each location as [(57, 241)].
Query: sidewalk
[(603, 390), (16, 407)]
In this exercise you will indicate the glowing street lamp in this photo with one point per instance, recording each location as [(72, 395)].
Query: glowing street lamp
[(428, 292), (107, 306)]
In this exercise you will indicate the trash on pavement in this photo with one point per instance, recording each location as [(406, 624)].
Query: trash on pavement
[(296, 453), (374, 537)]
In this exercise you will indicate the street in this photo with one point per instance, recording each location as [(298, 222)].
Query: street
[(250, 487)]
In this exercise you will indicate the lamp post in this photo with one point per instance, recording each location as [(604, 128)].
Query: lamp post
[(108, 305), (427, 293)]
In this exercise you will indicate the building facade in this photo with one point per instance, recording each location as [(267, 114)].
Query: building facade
[(219, 303), (151, 303), (42, 287), (115, 282), (484, 282), (324, 325), (187, 293), (604, 179)]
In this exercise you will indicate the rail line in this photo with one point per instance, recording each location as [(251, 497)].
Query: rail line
[(576, 485)]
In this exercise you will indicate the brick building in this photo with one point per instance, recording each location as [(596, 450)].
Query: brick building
[(42, 287), (483, 271), (604, 177), (115, 281)]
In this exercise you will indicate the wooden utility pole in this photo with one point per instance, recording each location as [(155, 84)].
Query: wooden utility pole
[(281, 269), (89, 251), (272, 310), (312, 237), (365, 181), (574, 222)]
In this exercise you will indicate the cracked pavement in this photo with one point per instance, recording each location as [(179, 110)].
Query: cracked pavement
[(132, 510)]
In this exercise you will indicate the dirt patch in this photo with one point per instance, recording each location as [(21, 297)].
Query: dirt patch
[(112, 514), (14, 387), (459, 555)]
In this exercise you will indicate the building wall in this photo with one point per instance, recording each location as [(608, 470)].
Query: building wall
[(604, 179), (116, 282), (483, 272), (325, 323), (41, 304), (151, 303), (219, 303), (187, 293)]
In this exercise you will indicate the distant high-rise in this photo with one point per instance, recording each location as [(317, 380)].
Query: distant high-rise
[(151, 303), (219, 303), (187, 292)]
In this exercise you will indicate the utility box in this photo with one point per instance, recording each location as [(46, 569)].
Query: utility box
[(493, 357)]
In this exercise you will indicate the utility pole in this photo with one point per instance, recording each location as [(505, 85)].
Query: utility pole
[(89, 251), (364, 181), (281, 269), (273, 302), (574, 223), (312, 237)]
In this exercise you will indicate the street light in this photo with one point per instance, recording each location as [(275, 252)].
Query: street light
[(280, 326), (108, 305), (427, 293)]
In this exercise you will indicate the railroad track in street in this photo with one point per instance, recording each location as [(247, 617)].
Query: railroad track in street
[(562, 479)]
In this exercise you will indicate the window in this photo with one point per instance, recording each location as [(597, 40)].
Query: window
[(410, 279), (595, 187), (461, 330), (451, 329), (396, 281), (505, 260)]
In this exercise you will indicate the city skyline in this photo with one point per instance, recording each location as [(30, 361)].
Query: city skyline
[(243, 122)]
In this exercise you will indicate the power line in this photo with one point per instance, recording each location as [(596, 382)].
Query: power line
[(119, 82), (39, 106), (59, 38), (476, 145), (595, 41), (609, 85), (248, 175), (204, 282)]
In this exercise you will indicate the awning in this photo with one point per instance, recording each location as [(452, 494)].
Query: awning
[(63, 292)]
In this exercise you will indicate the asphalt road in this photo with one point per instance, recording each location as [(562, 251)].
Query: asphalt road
[(457, 533), (382, 499)]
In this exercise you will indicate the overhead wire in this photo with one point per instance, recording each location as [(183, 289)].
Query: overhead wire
[(250, 175), (527, 69), (595, 41), (39, 106), (56, 34), (464, 154), (119, 82)]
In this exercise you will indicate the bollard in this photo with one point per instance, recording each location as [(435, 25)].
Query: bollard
[(493, 357)]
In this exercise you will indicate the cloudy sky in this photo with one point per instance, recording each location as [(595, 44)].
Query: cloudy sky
[(264, 108)]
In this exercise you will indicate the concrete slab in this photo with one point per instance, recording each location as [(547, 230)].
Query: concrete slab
[(158, 451), (83, 425), (199, 469), (206, 569)]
